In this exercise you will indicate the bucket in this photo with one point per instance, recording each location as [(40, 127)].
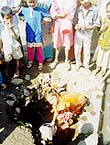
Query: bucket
[(47, 131)]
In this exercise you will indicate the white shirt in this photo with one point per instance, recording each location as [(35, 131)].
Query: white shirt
[(8, 40)]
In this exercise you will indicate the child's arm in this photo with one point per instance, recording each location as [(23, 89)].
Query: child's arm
[(51, 29), (55, 11), (16, 9), (14, 34), (45, 15), (12, 30), (95, 21), (54, 116), (89, 27), (104, 27)]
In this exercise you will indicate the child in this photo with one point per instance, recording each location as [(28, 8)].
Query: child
[(33, 16), (9, 37), (11, 4), (87, 19), (63, 13), (103, 54)]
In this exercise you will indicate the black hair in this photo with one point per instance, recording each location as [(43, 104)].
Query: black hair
[(6, 10)]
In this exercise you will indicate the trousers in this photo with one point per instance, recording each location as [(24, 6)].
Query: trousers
[(39, 54)]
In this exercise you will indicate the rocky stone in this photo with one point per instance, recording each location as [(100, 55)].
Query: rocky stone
[(17, 81)]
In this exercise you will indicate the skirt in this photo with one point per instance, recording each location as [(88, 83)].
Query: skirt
[(103, 58)]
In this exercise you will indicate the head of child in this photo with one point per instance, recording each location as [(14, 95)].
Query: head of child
[(7, 14), (108, 10), (32, 3), (85, 3)]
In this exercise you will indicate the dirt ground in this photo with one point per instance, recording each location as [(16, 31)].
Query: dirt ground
[(12, 133), (16, 133)]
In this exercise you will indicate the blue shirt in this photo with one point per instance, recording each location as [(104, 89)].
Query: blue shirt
[(33, 18)]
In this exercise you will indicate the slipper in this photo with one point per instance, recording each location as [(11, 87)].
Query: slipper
[(16, 81), (40, 67), (29, 65), (15, 76)]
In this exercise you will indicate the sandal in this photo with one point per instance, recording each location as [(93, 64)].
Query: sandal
[(29, 65), (40, 67), (16, 76)]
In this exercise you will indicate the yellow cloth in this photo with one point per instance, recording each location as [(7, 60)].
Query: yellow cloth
[(104, 39), (67, 100)]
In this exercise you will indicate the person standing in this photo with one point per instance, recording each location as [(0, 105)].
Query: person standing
[(103, 54), (33, 16), (87, 19), (63, 14), (9, 37)]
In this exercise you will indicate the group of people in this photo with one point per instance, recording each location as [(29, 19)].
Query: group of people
[(64, 17), (9, 35)]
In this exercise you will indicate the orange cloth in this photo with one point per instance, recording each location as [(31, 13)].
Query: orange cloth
[(72, 101)]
